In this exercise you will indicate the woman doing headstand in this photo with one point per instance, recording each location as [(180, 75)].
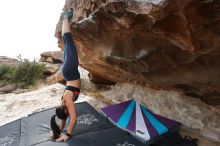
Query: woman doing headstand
[(71, 75)]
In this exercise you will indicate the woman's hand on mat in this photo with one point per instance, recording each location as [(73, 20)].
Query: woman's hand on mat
[(63, 138)]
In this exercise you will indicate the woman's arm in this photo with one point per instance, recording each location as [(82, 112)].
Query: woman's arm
[(72, 113)]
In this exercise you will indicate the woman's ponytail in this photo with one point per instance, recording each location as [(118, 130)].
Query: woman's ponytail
[(54, 127)]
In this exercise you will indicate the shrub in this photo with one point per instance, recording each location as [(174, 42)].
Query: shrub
[(24, 74), (6, 74)]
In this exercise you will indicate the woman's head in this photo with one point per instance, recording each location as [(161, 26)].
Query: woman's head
[(61, 112)]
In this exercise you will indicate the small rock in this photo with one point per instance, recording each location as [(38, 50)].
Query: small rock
[(51, 68), (7, 88), (8, 61), (56, 78), (42, 59), (49, 60), (57, 56)]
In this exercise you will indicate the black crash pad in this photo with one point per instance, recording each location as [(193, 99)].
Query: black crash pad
[(92, 129), (36, 127), (105, 137), (10, 134)]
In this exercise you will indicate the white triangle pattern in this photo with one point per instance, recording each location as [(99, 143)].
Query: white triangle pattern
[(141, 128)]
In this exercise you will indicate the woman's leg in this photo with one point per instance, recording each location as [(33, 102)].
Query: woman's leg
[(70, 65), (65, 25), (71, 74)]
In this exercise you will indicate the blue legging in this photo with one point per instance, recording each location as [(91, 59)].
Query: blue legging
[(70, 65)]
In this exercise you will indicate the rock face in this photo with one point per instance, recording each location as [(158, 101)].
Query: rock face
[(52, 57), (7, 88), (99, 80), (8, 61), (165, 43), (53, 61), (53, 74)]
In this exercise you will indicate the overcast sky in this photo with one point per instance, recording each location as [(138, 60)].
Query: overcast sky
[(27, 27)]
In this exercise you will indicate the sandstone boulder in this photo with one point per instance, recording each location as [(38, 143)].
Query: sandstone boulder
[(49, 59), (8, 61), (43, 59), (53, 61), (52, 57), (94, 78), (7, 88), (167, 44), (56, 78), (51, 68)]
